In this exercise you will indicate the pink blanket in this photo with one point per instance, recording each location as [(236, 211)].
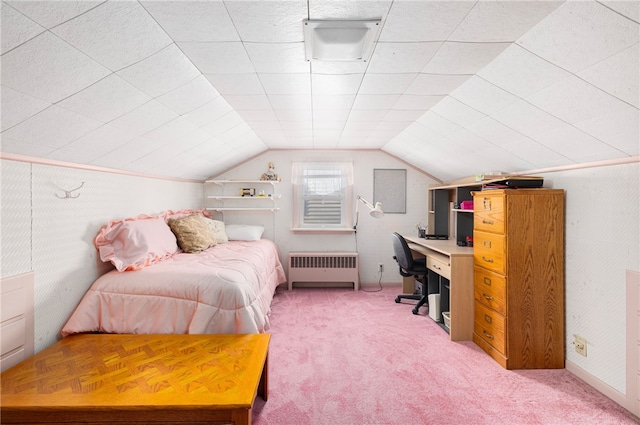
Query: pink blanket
[(226, 289)]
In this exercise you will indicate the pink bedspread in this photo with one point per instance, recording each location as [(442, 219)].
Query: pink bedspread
[(226, 289)]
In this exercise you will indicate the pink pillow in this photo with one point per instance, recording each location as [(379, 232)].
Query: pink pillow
[(134, 243)]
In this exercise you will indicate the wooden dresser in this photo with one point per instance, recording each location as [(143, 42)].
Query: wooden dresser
[(518, 240)]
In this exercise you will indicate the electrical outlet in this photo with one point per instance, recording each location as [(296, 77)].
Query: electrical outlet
[(581, 345), (380, 267)]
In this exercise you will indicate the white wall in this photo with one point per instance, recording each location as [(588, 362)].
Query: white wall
[(373, 238), (54, 237), (602, 233)]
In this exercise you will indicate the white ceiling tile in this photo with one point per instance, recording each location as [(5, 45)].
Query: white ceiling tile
[(47, 68), (630, 9), (392, 126), (160, 73), (53, 127), (367, 126), (198, 21), (497, 159), (52, 13), (350, 9), (290, 101), (394, 115), (106, 100), (206, 57), (297, 125), (483, 96), (236, 84), (469, 140), (224, 123), (402, 57), (618, 75), (502, 20), (580, 34), (536, 153), (421, 132), (494, 131), (294, 114), (37, 150), (330, 114), (575, 100), (576, 145), (286, 83), (375, 101), (386, 83), (369, 115), (283, 58), (189, 96), (92, 145), (344, 101), (264, 125), (620, 129), (257, 114), (319, 67), (328, 125), (178, 131), (126, 153), (521, 72), (438, 123), (458, 112), (412, 102), (16, 28), (406, 20), (272, 136), (463, 58), (279, 20), (336, 84), (433, 84), (527, 119), (116, 34), (249, 101), (151, 115), (17, 107)]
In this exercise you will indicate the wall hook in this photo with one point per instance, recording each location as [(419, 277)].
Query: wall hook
[(68, 194)]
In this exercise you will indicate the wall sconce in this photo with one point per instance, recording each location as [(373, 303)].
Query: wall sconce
[(375, 211)]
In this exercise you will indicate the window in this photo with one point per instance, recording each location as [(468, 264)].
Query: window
[(322, 193)]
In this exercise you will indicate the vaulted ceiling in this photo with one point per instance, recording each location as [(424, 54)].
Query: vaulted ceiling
[(188, 89)]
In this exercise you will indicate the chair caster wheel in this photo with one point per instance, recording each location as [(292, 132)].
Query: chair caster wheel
[(397, 299), (414, 311)]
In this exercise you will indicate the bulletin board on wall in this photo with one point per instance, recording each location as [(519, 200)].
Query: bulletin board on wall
[(390, 189)]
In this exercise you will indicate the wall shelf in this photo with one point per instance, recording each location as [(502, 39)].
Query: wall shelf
[(239, 203)]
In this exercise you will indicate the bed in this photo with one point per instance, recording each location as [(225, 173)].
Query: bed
[(223, 288)]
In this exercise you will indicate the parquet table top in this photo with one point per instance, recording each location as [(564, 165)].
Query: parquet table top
[(140, 372)]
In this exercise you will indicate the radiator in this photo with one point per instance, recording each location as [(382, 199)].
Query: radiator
[(326, 267)]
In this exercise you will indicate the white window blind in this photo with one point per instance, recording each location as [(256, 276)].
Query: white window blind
[(321, 190)]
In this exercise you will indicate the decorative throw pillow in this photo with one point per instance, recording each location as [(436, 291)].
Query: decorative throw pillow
[(244, 232), (132, 244), (217, 229), (192, 232)]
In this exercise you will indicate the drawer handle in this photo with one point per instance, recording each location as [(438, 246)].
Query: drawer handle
[(487, 281), (486, 202), (487, 297), (436, 267), (488, 260), (487, 222), (487, 318), (487, 334), (486, 244)]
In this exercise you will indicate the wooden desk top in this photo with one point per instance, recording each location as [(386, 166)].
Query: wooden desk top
[(132, 372), (447, 247)]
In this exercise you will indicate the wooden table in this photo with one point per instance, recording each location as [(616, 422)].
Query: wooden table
[(139, 379)]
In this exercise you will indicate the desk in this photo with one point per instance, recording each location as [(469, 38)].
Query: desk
[(452, 266)]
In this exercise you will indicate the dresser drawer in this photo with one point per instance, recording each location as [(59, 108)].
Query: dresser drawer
[(490, 289), (13, 335), (437, 265), (488, 213), (489, 251), (489, 326)]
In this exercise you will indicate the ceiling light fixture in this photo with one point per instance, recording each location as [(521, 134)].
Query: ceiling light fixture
[(340, 41)]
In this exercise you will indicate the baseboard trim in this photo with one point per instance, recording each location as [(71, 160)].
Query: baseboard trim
[(604, 388)]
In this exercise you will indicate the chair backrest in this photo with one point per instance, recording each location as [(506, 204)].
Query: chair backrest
[(402, 252)]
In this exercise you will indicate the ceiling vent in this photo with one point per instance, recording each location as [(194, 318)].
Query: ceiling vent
[(340, 41)]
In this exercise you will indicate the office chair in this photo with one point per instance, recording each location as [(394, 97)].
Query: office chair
[(410, 266)]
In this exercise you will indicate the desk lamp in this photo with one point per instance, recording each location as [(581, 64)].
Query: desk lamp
[(375, 211)]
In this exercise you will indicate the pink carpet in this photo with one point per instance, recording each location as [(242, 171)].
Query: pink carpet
[(344, 357)]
